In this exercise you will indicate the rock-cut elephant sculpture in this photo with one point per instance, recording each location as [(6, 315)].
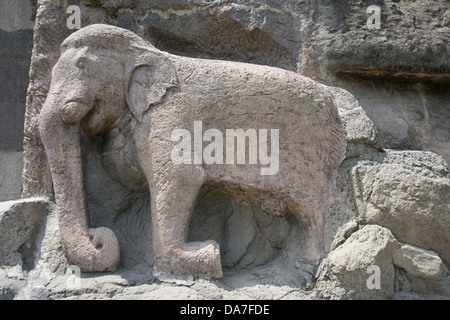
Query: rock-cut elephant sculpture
[(106, 73)]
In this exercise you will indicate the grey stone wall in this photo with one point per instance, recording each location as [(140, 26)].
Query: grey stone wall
[(16, 44)]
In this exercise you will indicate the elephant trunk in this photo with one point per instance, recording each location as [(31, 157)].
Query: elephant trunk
[(92, 249)]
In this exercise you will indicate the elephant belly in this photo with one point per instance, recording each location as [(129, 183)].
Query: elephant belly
[(301, 159)]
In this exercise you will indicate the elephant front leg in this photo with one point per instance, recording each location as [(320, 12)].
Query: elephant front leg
[(172, 204)]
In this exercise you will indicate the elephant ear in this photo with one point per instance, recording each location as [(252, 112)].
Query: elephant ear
[(148, 85)]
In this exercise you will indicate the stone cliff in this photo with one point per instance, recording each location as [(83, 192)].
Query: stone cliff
[(387, 233)]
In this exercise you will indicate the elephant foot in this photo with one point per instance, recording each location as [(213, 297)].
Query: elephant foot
[(96, 251), (194, 258)]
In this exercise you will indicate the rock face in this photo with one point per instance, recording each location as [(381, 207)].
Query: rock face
[(328, 41), (16, 44), (398, 211), (408, 198), (419, 263), (18, 220), (163, 95), (421, 270), (346, 272), (391, 207), (21, 222)]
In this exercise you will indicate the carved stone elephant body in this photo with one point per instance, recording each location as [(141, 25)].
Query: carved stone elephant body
[(107, 73)]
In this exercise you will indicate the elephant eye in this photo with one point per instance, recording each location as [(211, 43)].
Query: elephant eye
[(81, 64)]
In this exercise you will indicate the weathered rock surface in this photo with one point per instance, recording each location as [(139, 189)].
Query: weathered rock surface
[(407, 272), (421, 271), (220, 95), (49, 275), (408, 193), (420, 263), (358, 126), (322, 41), (16, 44), (20, 224), (18, 221), (345, 273), (399, 77), (345, 44), (411, 201)]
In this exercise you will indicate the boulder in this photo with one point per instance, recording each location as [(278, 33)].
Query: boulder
[(18, 220), (360, 268), (358, 126), (421, 271), (420, 263), (408, 193)]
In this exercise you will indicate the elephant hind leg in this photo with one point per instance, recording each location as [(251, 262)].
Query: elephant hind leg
[(172, 204)]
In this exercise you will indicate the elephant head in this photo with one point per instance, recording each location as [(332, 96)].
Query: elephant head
[(102, 72)]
